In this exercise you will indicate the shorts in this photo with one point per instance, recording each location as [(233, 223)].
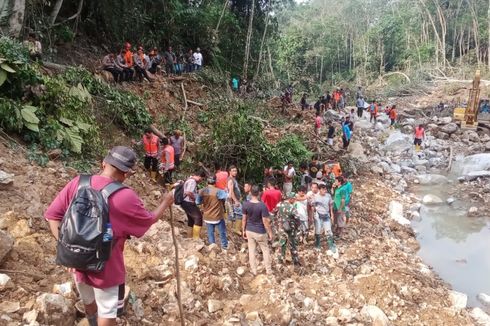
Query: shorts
[(340, 219), (110, 301), (417, 141), (194, 216)]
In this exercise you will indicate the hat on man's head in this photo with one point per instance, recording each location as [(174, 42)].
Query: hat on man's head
[(122, 158)]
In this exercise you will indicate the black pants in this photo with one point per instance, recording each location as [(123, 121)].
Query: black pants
[(154, 68), (116, 73), (360, 111), (177, 160), (127, 74), (167, 176), (194, 216), (151, 162), (140, 73), (345, 142)]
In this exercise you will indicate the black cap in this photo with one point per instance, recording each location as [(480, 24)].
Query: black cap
[(122, 158)]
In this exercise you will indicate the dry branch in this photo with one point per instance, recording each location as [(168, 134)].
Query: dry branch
[(177, 268), (194, 103)]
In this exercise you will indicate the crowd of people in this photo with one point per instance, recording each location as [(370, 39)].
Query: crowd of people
[(136, 64)]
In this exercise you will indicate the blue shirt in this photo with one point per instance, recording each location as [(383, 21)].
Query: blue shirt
[(360, 103), (346, 130), (234, 83)]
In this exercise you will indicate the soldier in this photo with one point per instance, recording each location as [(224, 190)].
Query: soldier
[(289, 227)]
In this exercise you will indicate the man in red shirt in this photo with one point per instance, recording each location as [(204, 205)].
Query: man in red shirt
[(102, 292), (272, 196)]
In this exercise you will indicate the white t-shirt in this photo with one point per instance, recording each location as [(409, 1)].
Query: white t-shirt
[(289, 174), (197, 58), (301, 208), (190, 186)]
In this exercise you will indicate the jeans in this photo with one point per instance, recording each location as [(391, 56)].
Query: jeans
[(197, 67), (222, 233), (254, 239), (323, 224)]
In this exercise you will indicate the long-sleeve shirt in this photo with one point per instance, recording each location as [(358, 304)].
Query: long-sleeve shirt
[(346, 130), (121, 62), (360, 103), (108, 62)]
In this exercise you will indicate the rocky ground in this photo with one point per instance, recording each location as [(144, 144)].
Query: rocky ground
[(377, 279)]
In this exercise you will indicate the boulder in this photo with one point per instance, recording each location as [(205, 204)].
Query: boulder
[(450, 128), (5, 282), (480, 317), (375, 315), (471, 135), (445, 120), (6, 244), (472, 175), (484, 299), (191, 263), (473, 211), (54, 309), (397, 142), (431, 200), (432, 179), (9, 306), (450, 200), (356, 150), (6, 179), (458, 300), (396, 213), (442, 135), (487, 146), (476, 162)]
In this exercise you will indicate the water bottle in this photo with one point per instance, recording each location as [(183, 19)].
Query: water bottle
[(106, 243)]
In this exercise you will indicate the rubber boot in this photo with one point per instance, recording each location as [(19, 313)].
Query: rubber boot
[(189, 232), (317, 241), (238, 227), (196, 232), (417, 148), (153, 175), (331, 244)]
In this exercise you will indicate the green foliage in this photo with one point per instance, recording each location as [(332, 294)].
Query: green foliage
[(15, 71), (236, 138), (64, 34), (127, 110)]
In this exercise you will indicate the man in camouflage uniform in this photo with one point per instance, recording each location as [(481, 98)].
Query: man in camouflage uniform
[(288, 228)]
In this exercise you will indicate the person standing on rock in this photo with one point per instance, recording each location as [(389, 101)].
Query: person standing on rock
[(360, 106), (340, 204), (257, 230), (289, 174), (212, 200), (392, 114), (318, 123), (301, 206), (289, 227), (102, 292), (330, 133), (271, 197), (419, 137), (177, 142), (168, 161), (373, 111), (359, 93), (198, 60), (305, 176), (322, 203), (234, 195), (194, 216), (151, 143), (346, 133)]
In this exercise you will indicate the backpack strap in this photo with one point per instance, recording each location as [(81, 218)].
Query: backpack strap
[(84, 181), (111, 188)]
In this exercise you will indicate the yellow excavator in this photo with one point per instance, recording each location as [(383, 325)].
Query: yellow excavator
[(469, 115)]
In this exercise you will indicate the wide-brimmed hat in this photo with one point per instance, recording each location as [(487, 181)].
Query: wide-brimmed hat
[(122, 158)]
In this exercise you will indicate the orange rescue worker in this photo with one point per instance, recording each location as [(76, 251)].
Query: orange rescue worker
[(373, 110), (128, 55), (150, 142), (336, 169), (336, 97), (221, 177), (393, 116), (168, 161), (419, 137)]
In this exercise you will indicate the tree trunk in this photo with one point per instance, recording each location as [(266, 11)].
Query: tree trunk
[(262, 46), (488, 45), (12, 14), (55, 11), (249, 39), (270, 62)]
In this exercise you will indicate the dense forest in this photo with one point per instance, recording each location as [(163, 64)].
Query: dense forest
[(318, 40)]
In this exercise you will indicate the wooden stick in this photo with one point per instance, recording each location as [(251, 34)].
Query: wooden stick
[(450, 158), (177, 268), (185, 100), (195, 103), (156, 131)]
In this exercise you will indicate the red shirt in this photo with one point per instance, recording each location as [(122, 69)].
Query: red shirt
[(271, 197), (318, 122), (221, 180), (128, 217)]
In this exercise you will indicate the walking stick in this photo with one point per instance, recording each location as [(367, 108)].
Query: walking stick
[(177, 269)]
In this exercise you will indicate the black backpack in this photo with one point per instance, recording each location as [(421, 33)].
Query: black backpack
[(81, 232), (179, 193)]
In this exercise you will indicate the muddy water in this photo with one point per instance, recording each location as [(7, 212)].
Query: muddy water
[(455, 245)]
